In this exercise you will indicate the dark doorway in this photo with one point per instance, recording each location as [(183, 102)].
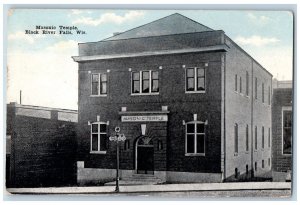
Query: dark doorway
[(144, 156)]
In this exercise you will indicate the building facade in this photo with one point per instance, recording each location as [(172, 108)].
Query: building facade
[(41, 146), (282, 122), (193, 105)]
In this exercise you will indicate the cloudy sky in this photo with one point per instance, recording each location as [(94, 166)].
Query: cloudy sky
[(41, 65)]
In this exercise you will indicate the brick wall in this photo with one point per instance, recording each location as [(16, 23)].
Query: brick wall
[(243, 110), (42, 152), (182, 106), (282, 97)]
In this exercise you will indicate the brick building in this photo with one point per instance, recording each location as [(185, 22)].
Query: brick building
[(282, 130), (41, 146), (193, 105)]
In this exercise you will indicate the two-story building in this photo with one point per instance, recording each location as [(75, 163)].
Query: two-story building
[(282, 121), (193, 105)]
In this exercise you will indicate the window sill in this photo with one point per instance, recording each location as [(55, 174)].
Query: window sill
[(194, 154), (188, 92), (235, 154), (97, 152), (98, 95), (139, 94)]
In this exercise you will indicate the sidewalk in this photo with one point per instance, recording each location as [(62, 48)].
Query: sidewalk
[(156, 188)]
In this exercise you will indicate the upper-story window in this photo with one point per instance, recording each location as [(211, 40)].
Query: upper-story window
[(241, 85), (287, 131), (263, 92), (195, 138), (99, 84), (235, 83), (195, 79), (98, 137), (145, 82), (255, 88), (269, 95), (247, 83)]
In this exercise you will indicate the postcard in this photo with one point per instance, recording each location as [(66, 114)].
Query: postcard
[(190, 103)]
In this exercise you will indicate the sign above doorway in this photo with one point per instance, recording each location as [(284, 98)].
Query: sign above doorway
[(149, 118)]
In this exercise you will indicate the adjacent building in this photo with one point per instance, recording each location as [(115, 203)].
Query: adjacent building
[(282, 122), (192, 104), (41, 146)]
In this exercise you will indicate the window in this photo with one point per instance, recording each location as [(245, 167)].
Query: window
[(255, 90), (195, 138), (236, 83), (136, 82), (195, 79), (269, 95), (127, 145), (269, 137), (255, 138), (269, 162), (241, 85), (263, 92), (159, 145), (247, 83), (236, 173), (98, 137), (262, 137), (247, 169), (255, 166), (154, 83), (287, 131), (99, 84), (247, 138), (145, 82), (236, 138), (262, 163)]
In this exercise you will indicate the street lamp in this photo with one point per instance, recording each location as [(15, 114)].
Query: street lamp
[(116, 138)]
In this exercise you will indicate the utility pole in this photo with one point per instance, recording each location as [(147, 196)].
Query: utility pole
[(20, 97)]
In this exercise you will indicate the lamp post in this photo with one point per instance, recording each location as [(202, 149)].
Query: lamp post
[(118, 137)]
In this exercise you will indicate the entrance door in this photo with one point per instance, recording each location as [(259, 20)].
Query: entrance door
[(144, 156)]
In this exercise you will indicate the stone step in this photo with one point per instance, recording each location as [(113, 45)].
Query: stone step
[(137, 179), (128, 183), (140, 177)]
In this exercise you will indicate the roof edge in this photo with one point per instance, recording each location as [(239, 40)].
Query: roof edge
[(221, 31), (106, 39), (248, 55)]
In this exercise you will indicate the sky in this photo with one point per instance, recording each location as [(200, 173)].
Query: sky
[(41, 65)]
